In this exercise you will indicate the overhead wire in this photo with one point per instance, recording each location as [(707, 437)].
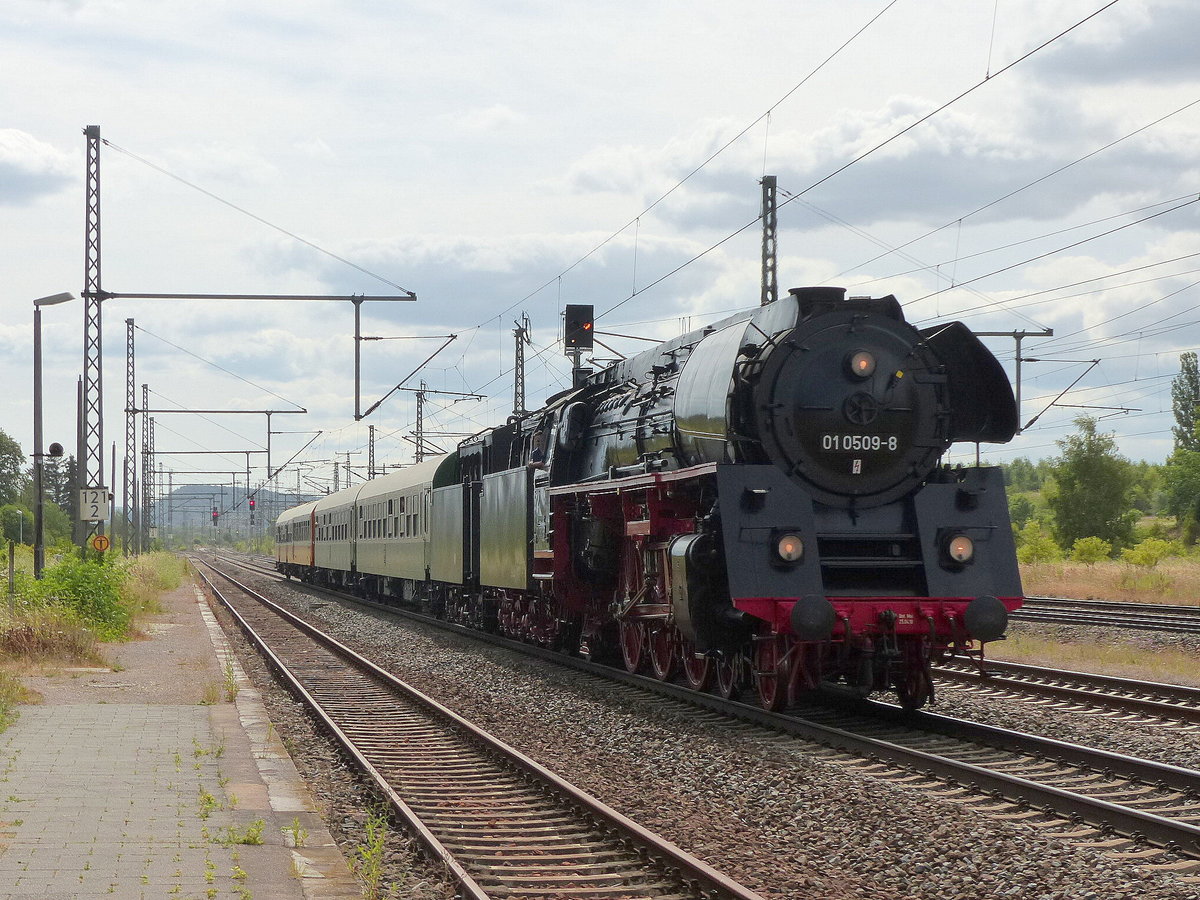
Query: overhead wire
[(697, 169), (1022, 188), (1054, 252), (220, 368), (925, 267), (800, 194), (255, 217)]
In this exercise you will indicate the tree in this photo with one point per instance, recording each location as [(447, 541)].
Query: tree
[(1185, 395), (1023, 475), (1148, 496), (58, 477), (56, 525), (16, 523), (1093, 488), (1181, 481), (1020, 510), (12, 477)]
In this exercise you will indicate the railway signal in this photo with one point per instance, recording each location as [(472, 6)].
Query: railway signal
[(215, 515), (578, 326)]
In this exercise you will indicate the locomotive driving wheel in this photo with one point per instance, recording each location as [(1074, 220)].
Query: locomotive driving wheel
[(771, 669), (633, 643), (697, 668), (728, 673), (662, 652)]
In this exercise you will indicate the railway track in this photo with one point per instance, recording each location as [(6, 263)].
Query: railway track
[(504, 826), (1107, 799), (1110, 613), (1080, 691), (1171, 704)]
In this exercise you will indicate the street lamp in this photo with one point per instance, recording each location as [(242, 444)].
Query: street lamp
[(39, 545)]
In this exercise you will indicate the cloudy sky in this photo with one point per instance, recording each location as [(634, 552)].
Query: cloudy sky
[(506, 158)]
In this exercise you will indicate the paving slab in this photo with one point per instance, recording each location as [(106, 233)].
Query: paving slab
[(161, 777)]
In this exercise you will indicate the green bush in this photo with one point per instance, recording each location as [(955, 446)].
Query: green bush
[(89, 589), (1149, 553), (1090, 550), (1035, 545)]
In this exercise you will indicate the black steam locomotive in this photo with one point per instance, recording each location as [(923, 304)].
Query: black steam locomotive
[(756, 505)]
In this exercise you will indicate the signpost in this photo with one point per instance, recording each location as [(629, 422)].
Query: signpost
[(94, 504)]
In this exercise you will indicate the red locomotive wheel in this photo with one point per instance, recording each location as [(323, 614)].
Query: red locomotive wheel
[(633, 642), (728, 672), (662, 652), (698, 670), (771, 671)]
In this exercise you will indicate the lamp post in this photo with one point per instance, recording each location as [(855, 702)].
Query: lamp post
[(39, 545)]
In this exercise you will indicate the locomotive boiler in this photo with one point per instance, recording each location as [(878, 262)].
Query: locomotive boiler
[(758, 505)]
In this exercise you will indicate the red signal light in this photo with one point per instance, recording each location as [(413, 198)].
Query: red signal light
[(252, 503)]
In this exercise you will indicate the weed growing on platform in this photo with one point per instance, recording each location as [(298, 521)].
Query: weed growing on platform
[(91, 591), (77, 597), (11, 693), (74, 606), (231, 685), (207, 804), (297, 833), (368, 862)]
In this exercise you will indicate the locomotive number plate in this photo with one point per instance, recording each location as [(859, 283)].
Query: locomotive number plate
[(860, 442)]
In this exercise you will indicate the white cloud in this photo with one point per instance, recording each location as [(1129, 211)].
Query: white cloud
[(30, 168), (496, 117), (474, 156)]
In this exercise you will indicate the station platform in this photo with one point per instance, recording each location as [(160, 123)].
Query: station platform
[(145, 781)]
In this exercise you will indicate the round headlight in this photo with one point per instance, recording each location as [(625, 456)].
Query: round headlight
[(790, 548), (960, 548), (862, 363)]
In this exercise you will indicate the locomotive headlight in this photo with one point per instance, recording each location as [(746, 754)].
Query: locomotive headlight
[(961, 549), (861, 363), (790, 548)]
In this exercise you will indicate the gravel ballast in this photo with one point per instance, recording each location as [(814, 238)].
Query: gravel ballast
[(766, 810)]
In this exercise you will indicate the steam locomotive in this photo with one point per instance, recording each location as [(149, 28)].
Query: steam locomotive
[(755, 506)]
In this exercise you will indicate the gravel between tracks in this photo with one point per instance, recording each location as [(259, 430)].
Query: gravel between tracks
[(1160, 742), (763, 810)]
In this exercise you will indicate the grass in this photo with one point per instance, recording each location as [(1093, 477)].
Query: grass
[(1126, 660), (297, 834), (11, 693), (251, 834), (1175, 580)]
